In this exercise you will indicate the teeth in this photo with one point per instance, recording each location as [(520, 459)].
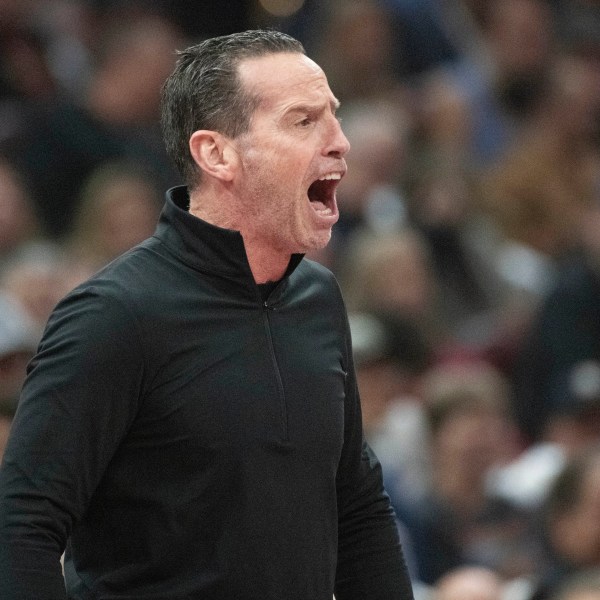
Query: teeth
[(330, 176), (325, 211)]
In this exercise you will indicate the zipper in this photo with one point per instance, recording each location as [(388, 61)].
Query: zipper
[(267, 308)]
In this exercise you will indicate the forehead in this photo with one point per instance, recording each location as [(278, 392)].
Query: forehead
[(283, 79)]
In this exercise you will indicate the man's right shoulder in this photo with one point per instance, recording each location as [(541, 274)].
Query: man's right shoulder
[(130, 287), (134, 277)]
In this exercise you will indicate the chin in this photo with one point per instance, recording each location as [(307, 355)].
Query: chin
[(318, 242)]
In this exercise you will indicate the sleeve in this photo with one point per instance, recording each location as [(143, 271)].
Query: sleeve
[(371, 564), (78, 400)]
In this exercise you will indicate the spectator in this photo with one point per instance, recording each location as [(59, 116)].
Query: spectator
[(371, 195), (119, 208), (584, 585), (495, 88), (539, 192), (554, 374), (425, 35), (18, 222), (390, 357), (38, 277), (347, 45), (115, 117), (442, 204), (26, 79), (392, 272), (571, 522), (469, 583), (18, 340), (460, 522)]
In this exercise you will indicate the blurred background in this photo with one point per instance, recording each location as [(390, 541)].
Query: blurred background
[(468, 246)]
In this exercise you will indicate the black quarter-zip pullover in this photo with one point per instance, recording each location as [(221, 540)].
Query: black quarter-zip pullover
[(191, 440)]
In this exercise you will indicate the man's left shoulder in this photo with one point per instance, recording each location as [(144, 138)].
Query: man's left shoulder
[(316, 271), (311, 272), (316, 284)]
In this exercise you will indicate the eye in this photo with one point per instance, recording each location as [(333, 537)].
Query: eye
[(306, 122)]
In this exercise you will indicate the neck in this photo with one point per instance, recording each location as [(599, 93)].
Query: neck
[(267, 263), (264, 264)]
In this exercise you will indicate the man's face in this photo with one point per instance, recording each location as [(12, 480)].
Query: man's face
[(291, 159)]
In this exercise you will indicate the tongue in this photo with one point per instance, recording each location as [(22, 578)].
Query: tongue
[(318, 206)]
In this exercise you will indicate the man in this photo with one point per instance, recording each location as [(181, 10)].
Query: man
[(191, 422)]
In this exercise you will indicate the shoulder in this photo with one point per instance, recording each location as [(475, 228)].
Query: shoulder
[(135, 280), (315, 289), (310, 271), (115, 301), (317, 285)]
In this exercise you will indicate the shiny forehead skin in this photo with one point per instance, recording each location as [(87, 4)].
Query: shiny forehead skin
[(284, 80)]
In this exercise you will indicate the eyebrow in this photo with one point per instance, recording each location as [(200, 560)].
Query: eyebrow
[(301, 108)]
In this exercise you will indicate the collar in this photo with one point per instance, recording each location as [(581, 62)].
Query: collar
[(204, 246)]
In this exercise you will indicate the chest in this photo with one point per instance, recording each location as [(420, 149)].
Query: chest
[(245, 376)]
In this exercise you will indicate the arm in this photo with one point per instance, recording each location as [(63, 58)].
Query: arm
[(370, 561), (77, 402)]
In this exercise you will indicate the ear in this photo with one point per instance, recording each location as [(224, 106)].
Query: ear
[(213, 153)]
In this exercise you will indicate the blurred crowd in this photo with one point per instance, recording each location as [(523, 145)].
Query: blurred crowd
[(468, 246)]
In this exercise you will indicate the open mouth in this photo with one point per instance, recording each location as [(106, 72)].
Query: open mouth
[(321, 193)]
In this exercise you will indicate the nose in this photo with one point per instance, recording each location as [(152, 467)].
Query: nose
[(338, 145)]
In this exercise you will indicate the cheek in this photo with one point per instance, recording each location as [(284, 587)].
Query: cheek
[(270, 174)]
